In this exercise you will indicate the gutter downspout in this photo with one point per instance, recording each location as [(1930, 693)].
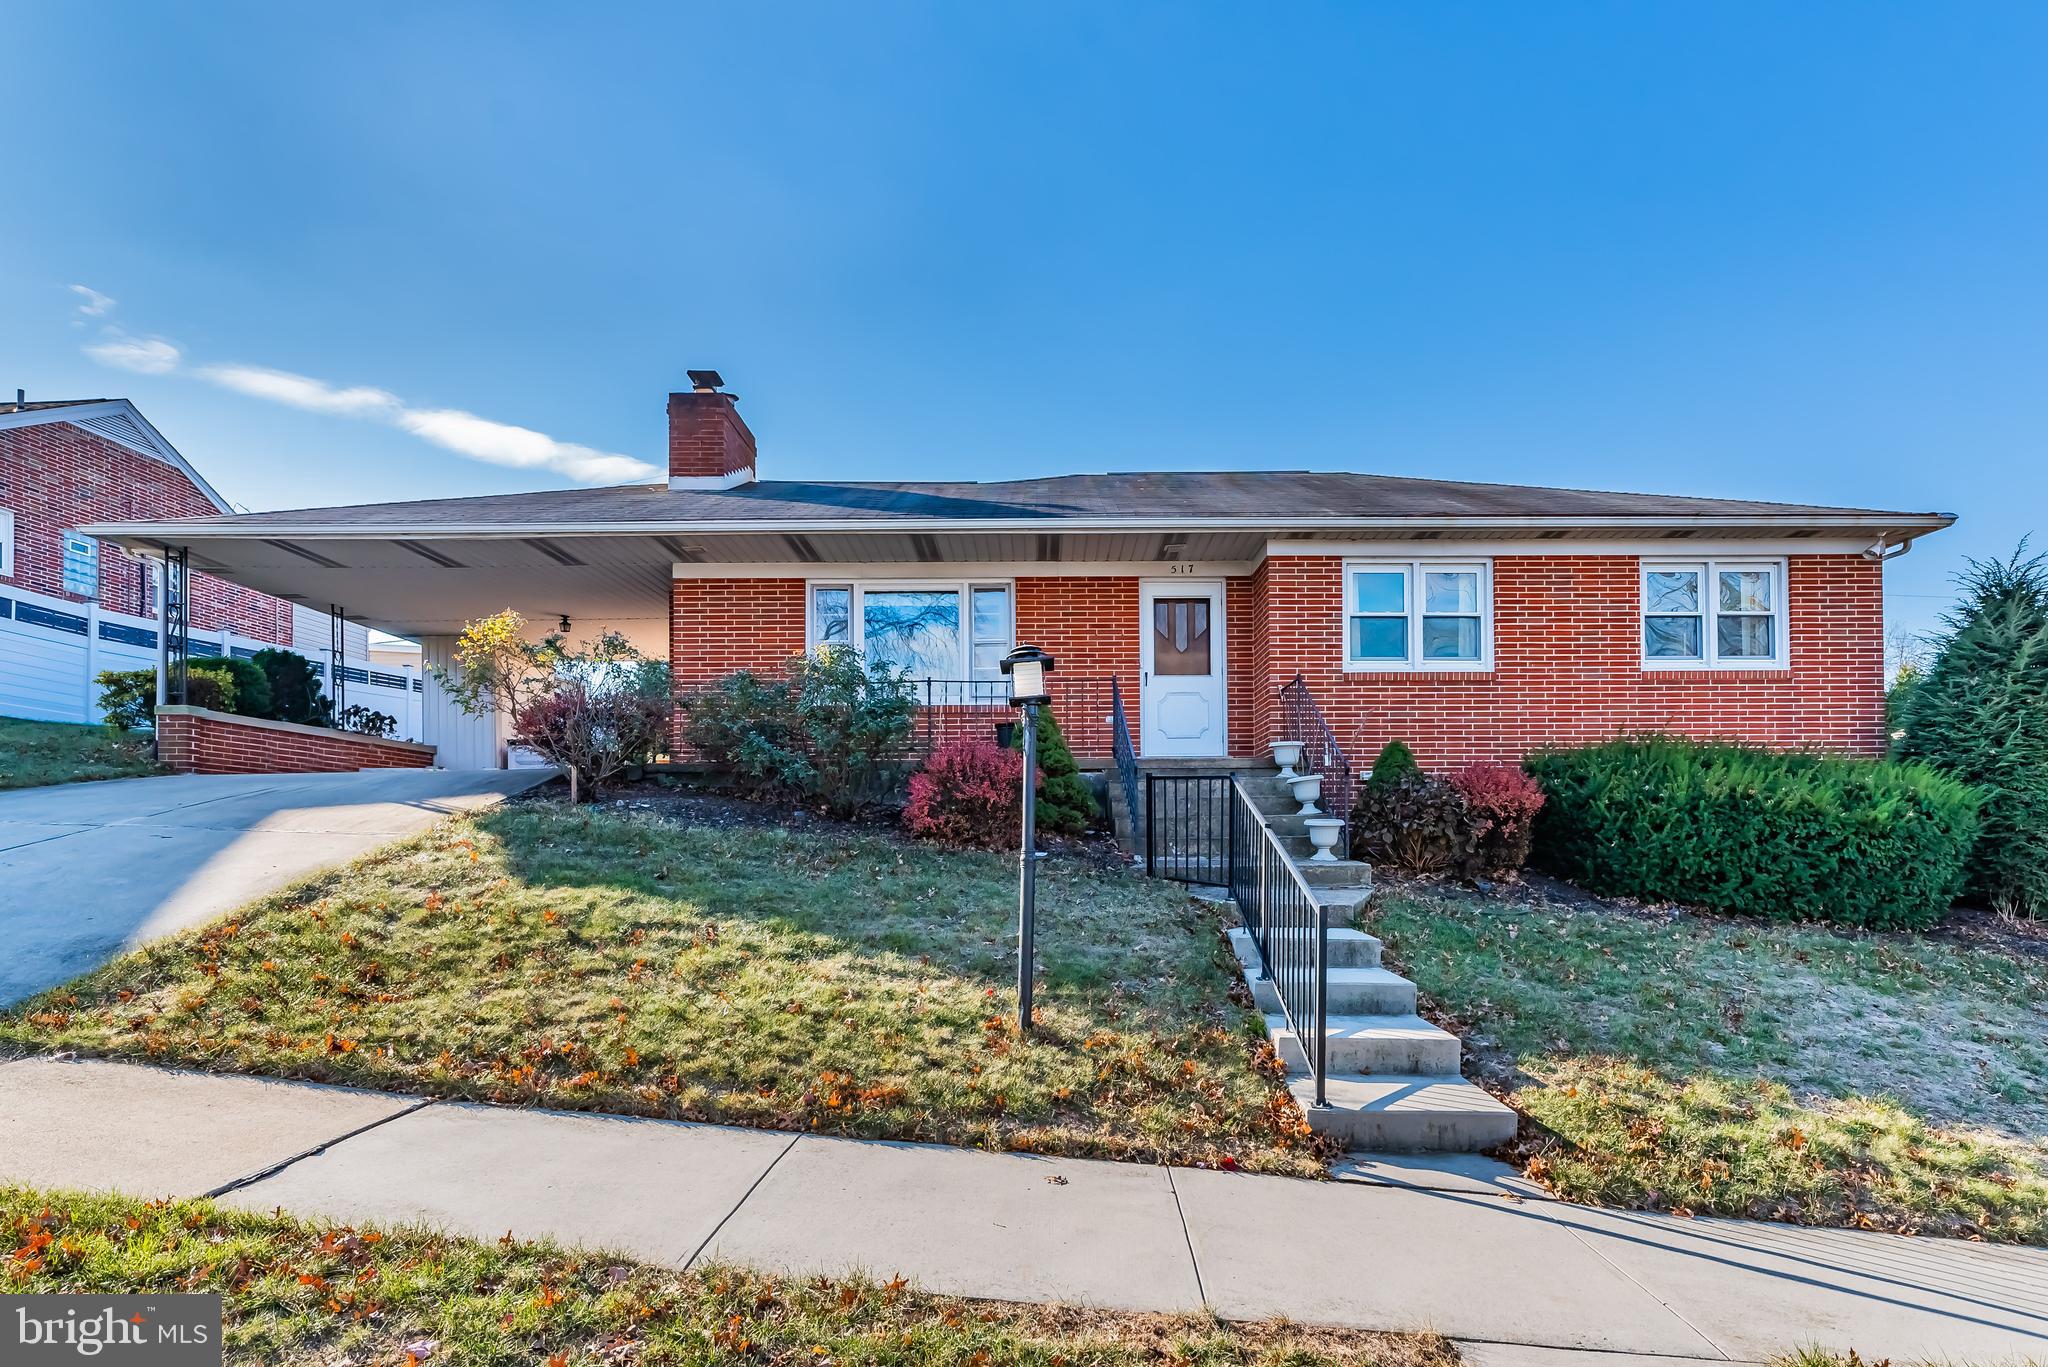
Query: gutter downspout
[(1881, 550)]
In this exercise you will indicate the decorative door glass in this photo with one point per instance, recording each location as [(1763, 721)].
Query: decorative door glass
[(1180, 636)]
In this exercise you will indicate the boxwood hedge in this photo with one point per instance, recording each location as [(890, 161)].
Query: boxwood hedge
[(1739, 829)]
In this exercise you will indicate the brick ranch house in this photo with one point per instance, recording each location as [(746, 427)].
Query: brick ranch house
[(1470, 620)]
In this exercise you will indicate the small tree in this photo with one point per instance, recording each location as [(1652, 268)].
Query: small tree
[(592, 712), (1980, 713), (1065, 805), (1395, 763), (295, 694)]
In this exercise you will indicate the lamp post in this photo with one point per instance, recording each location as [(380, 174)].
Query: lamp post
[(1027, 667)]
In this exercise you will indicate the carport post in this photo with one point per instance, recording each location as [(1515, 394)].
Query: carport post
[(161, 569)]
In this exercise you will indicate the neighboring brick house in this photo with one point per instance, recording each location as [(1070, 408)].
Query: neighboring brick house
[(67, 464), (1470, 620)]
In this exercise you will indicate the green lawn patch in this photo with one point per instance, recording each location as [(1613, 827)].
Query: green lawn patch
[(296, 1294), (34, 754), (1690, 1062), (827, 980)]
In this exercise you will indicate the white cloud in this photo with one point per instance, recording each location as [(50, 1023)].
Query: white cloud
[(96, 305), (301, 391), (497, 443), (501, 443), (143, 355)]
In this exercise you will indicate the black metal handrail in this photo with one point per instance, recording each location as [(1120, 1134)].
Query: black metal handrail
[(1205, 828), (1125, 753), (1303, 721), (1290, 929), (1187, 828)]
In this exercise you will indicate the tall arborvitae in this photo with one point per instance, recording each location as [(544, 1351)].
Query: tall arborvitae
[(1981, 714)]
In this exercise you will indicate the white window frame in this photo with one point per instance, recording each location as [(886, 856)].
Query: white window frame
[(856, 630), (1709, 569), (6, 543), (1416, 663)]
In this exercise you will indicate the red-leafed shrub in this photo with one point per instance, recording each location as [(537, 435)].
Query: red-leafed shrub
[(967, 794), (1506, 800)]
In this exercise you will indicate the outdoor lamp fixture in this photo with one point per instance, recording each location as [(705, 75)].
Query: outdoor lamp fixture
[(1027, 667)]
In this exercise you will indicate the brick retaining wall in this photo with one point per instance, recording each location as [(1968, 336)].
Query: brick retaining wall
[(195, 740)]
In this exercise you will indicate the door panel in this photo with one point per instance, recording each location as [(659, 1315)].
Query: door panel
[(1182, 697)]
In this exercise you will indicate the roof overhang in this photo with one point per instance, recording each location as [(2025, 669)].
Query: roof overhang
[(618, 574)]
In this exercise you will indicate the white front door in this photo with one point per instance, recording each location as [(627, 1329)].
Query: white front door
[(1181, 696)]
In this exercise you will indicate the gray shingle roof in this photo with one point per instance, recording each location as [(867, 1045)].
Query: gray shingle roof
[(1279, 495)]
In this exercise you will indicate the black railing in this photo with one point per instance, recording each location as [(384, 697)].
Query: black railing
[(1187, 827), (1302, 720), (1204, 828), (1125, 753), (1289, 927), (948, 709)]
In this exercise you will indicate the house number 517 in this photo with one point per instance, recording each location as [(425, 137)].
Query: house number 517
[(1179, 568)]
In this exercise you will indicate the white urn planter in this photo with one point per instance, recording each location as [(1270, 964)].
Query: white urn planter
[(1287, 754), (1306, 789), (1322, 833)]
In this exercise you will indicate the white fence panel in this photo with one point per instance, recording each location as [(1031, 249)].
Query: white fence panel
[(52, 649), (43, 660)]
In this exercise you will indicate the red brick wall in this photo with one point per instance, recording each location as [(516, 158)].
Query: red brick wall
[(1567, 665), (197, 741), (56, 477)]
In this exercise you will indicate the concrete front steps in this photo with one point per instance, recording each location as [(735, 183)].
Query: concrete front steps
[(1393, 1084)]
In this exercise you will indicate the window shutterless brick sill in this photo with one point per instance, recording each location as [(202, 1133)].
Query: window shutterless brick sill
[(1444, 676), (1774, 676)]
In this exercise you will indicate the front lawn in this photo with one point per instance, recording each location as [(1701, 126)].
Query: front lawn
[(297, 1294), (820, 979), (1707, 1064), (34, 754)]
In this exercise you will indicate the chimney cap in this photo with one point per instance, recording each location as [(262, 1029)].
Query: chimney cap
[(706, 381)]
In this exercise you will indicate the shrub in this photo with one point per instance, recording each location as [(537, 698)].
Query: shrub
[(1738, 829), (967, 793), (832, 729), (1980, 713), (295, 694), (1505, 800), (1395, 763), (1065, 805), (592, 728), (591, 711), (128, 698), (365, 721), (251, 684), (1418, 824)]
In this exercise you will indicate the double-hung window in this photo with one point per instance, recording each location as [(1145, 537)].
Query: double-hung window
[(949, 637), (1714, 614), (6, 542), (1418, 614)]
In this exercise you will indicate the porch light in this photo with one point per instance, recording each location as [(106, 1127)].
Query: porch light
[(1027, 667)]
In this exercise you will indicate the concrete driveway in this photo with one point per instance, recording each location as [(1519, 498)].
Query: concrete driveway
[(89, 871)]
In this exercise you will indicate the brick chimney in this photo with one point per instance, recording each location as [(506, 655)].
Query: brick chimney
[(709, 446)]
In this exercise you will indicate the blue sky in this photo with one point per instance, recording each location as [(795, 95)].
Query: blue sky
[(1769, 251)]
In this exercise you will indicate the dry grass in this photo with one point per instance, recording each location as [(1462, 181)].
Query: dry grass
[(296, 1294), (1678, 1061), (845, 983)]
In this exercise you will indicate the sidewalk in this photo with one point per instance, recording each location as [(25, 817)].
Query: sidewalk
[(1464, 1257)]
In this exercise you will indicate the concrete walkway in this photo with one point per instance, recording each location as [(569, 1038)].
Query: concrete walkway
[(1392, 1246), (92, 870)]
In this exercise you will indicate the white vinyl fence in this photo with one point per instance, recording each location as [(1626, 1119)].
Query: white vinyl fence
[(52, 649)]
